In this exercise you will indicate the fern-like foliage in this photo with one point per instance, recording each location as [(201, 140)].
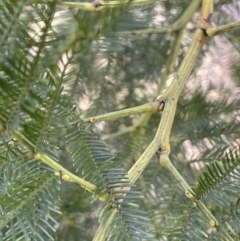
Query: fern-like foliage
[(34, 113), (216, 173), (229, 223), (97, 165), (61, 64), (29, 196)]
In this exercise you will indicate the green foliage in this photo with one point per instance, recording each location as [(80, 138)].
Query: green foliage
[(98, 167), (59, 65)]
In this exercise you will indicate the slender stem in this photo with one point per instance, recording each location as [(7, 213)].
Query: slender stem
[(211, 32), (64, 173), (168, 70), (186, 15), (206, 14), (99, 4), (151, 149), (212, 220), (170, 64), (166, 30), (170, 97), (152, 107), (186, 67), (101, 232), (142, 122), (177, 25), (165, 162), (142, 162), (122, 2), (60, 170)]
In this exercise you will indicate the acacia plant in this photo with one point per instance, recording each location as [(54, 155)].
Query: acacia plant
[(113, 127)]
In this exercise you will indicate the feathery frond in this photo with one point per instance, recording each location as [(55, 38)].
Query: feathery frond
[(97, 165), (59, 64)]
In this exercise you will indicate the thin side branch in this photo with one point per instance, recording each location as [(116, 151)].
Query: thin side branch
[(64, 173), (170, 98), (141, 122), (60, 170), (187, 15), (211, 32), (99, 4), (177, 25), (171, 60), (101, 232), (151, 107), (169, 68), (165, 162)]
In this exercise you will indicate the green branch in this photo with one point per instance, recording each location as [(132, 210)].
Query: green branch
[(177, 25), (187, 15), (141, 122), (101, 232), (163, 132), (64, 173), (170, 98), (170, 63), (211, 32), (60, 170), (165, 162), (151, 107), (97, 4), (169, 68)]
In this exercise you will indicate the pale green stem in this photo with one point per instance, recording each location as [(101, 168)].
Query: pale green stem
[(186, 67), (170, 64), (171, 59), (180, 23), (187, 15), (167, 30), (101, 232), (228, 231), (152, 107), (142, 162), (99, 4), (142, 122), (64, 173), (211, 32), (120, 133), (165, 162), (212, 220), (60, 170), (168, 70), (170, 97)]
